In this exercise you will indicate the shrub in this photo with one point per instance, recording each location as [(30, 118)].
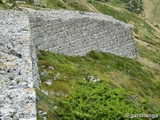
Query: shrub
[(135, 6), (97, 101)]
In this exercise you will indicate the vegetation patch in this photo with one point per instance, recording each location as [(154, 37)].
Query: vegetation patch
[(78, 6), (125, 86), (55, 4), (135, 6), (29, 2), (97, 101)]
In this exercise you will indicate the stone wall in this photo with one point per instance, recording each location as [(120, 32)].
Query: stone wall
[(17, 96), (65, 32), (76, 33)]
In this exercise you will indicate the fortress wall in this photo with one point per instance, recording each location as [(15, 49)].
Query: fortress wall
[(65, 32), (17, 96), (76, 33)]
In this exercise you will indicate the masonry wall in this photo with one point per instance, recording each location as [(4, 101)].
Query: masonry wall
[(65, 32), (76, 33), (17, 96)]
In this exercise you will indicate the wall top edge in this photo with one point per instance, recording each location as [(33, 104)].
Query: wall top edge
[(65, 15)]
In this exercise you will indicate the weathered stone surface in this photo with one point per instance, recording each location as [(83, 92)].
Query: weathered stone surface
[(22, 33), (45, 92), (18, 103), (73, 33), (49, 82), (17, 96), (42, 113), (57, 76)]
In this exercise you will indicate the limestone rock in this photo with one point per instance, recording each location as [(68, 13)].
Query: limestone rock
[(57, 76), (43, 73), (45, 92), (92, 79), (42, 112), (51, 67), (37, 98), (1, 99), (49, 82)]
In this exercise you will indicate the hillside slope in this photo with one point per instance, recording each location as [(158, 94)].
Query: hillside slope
[(139, 78), (152, 10)]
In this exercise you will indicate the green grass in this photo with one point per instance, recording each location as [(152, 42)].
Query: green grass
[(55, 4), (145, 52), (100, 65), (78, 6), (95, 60), (46, 103), (64, 4), (97, 101), (4, 6), (116, 3)]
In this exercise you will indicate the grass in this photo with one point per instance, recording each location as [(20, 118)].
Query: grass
[(145, 52), (46, 103), (55, 4), (64, 4), (116, 3), (4, 6), (152, 9), (125, 73)]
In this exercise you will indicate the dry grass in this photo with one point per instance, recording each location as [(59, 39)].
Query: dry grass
[(152, 10)]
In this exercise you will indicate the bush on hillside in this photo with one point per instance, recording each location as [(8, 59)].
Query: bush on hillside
[(135, 6), (94, 101)]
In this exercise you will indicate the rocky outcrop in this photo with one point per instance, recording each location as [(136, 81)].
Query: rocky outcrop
[(65, 32)]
